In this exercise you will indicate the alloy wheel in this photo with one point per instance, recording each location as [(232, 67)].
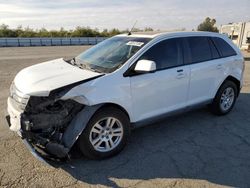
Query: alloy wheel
[(106, 134)]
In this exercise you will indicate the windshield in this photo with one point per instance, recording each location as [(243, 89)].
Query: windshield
[(110, 54)]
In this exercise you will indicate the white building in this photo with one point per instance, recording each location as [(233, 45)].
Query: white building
[(239, 33)]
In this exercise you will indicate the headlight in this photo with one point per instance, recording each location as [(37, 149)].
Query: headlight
[(11, 89), (20, 98)]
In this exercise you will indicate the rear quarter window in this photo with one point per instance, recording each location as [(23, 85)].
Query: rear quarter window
[(223, 47)]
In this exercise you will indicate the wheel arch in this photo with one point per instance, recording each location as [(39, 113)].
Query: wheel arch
[(234, 80), (215, 106), (109, 104), (79, 123)]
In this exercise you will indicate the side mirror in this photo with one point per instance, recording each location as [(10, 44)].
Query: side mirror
[(144, 66)]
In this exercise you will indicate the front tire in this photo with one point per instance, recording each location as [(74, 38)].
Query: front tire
[(106, 134), (225, 98)]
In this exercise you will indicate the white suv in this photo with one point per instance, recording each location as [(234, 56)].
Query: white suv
[(125, 81)]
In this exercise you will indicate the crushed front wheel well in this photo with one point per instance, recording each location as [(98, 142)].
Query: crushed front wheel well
[(80, 121)]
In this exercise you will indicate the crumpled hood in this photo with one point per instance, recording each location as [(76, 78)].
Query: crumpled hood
[(40, 79)]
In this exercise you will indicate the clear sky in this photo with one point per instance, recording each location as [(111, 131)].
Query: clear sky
[(121, 14)]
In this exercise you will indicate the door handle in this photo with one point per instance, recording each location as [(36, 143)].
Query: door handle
[(180, 75), (180, 70), (219, 66)]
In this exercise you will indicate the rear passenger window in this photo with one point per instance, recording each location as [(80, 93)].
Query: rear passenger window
[(199, 48), (224, 48), (165, 54)]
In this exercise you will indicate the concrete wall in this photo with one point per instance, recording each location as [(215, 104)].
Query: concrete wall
[(15, 42)]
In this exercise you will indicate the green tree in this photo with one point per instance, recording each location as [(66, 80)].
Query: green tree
[(114, 31), (63, 33), (19, 31), (208, 25), (84, 32), (105, 33), (5, 31), (43, 33), (28, 32), (79, 31), (148, 29), (136, 30)]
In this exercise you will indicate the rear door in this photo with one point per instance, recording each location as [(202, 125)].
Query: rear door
[(233, 62), (206, 69), (166, 89)]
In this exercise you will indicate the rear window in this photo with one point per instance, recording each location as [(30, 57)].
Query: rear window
[(199, 48), (224, 48)]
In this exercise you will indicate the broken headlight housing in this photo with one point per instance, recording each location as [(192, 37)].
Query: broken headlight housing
[(20, 99)]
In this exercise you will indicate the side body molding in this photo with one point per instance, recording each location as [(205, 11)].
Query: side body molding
[(78, 124)]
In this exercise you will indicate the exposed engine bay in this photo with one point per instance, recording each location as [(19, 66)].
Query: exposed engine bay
[(44, 122)]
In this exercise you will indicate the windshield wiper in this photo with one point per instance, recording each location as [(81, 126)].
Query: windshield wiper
[(71, 61), (85, 66)]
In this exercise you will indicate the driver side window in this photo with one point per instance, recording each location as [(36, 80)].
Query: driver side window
[(165, 54)]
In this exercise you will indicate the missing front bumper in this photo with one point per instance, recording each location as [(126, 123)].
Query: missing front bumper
[(71, 134), (34, 152), (43, 156)]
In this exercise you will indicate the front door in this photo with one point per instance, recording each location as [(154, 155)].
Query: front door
[(166, 89)]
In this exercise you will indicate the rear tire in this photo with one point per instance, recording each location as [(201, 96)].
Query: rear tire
[(106, 134), (225, 98)]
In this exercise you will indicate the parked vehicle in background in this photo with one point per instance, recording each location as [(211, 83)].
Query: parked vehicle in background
[(128, 80)]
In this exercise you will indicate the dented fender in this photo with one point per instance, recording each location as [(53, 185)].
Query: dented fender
[(78, 124)]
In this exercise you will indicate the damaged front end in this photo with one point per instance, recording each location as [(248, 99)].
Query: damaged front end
[(44, 122)]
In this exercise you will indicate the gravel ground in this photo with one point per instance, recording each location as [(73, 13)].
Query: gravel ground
[(195, 149)]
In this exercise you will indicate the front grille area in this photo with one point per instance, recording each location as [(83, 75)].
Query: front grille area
[(18, 97)]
